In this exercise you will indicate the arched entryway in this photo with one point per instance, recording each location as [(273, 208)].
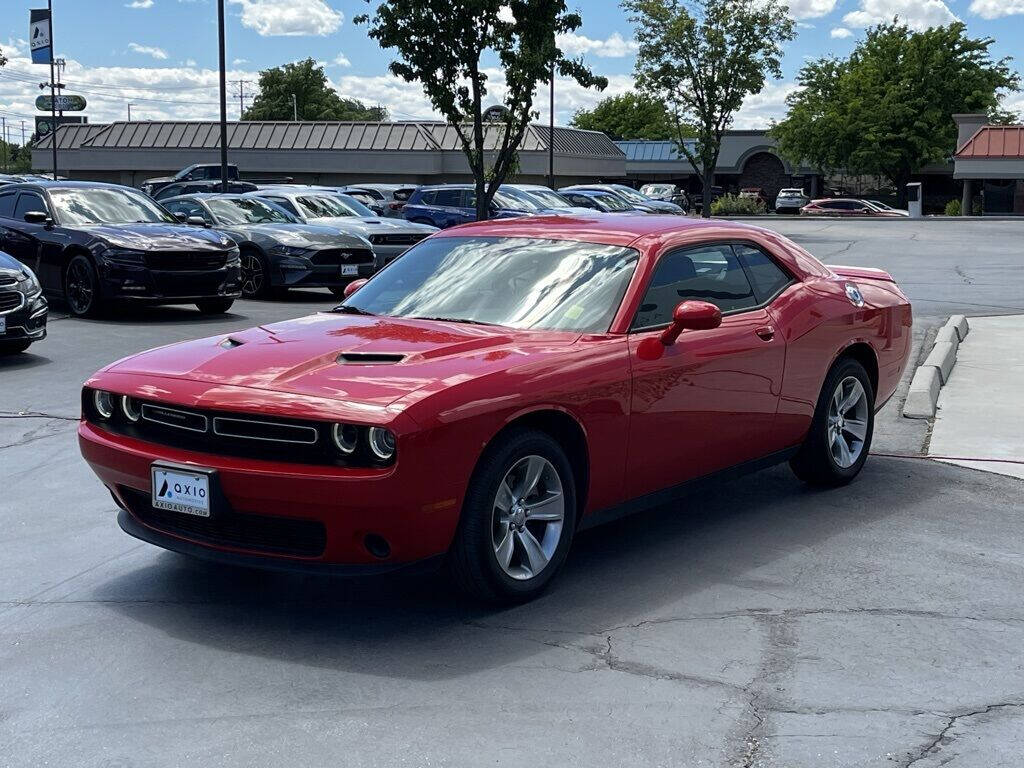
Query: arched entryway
[(765, 170)]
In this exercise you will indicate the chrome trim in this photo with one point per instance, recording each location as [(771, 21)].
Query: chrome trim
[(147, 417), (221, 419), (21, 303)]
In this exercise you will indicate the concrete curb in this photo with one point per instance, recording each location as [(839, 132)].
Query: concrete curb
[(935, 370)]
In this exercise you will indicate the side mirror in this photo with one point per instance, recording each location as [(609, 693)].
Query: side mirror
[(196, 221), (354, 286), (37, 217), (180, 216), (692, 316)]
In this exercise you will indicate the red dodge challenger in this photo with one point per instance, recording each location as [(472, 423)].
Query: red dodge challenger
[(495, 389)]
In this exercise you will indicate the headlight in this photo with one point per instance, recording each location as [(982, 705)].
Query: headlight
[(131, 408), (103, 402), (28, 284), (124, 256), (382, 443), (233, 259), (345, 437), (289, 251)]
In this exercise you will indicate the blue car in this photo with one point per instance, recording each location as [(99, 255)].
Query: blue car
[(448, 205)]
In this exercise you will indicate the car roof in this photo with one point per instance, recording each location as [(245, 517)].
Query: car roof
[(593, 228)]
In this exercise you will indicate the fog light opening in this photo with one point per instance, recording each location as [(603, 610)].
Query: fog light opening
[(377, 546)]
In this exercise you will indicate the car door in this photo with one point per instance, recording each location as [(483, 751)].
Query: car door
[(36, 245), (708, 401)]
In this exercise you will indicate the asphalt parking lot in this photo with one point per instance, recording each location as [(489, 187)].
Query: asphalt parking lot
[(757, 624)]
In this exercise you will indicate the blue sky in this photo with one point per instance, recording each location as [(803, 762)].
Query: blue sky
[(161, 55)]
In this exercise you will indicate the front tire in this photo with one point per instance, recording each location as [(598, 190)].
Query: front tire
[(839, 440), (82, 288), (518, 519), (214, 306), (255, 275), (14, 347)]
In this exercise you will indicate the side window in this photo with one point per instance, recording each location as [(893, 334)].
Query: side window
[(175, 206), (427, 198), (7, 205), (706, 273), (768, 277), (28, 201), (286, 204), (448, 197)]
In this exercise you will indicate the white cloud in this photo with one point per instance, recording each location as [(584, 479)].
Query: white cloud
[(916, 14), (341, 60), (993, 9), (613, 47), (148, 50), (840, 33), (289, 17), (139, 4), (239, 62), (760, 109), (810, 9), (190, 62)]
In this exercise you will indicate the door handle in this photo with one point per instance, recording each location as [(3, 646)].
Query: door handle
[(766, 332)]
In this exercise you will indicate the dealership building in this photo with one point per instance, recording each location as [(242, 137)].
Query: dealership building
[(990, 162), (339, 153)]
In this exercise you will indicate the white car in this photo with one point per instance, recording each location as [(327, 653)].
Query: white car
[(791, 200), (389, 238)]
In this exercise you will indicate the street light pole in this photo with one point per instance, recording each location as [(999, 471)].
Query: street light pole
[(53, 95), (551, 131), (223, 100), (295, 109)]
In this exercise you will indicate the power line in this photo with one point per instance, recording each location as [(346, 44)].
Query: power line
[(241, 94)]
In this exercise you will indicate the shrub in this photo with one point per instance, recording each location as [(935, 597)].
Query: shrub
[(952, 208), (733, 205)]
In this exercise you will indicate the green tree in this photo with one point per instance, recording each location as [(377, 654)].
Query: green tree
[(886, 110), (629, 116), (314, 97), (442, 45), (701, 59)]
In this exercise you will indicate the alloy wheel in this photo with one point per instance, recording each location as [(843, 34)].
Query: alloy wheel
[(847, 422), (528, 516), (252, 274), (80, 288)]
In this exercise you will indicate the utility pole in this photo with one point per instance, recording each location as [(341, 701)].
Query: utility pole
[(551, 131), (53, 94), (3, 129), (223, 100), (241, 95), (129, 111), (22, 133), (295, 109)]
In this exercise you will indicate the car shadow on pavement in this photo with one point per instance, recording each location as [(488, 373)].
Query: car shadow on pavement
[(417, 628), (22, 361)]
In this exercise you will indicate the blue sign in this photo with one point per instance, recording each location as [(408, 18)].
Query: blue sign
[(39, 36)]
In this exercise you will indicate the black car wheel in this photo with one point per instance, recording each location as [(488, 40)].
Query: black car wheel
[(517, 521), (81, 287), (214, 306), (255, 275), (14, 347)]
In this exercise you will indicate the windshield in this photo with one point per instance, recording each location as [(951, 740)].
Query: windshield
[(630, 194), (246, 211), (657, 189), (516, 199), (330, 206), (514, 282), (549, 198), (611, 202), (75, 207)]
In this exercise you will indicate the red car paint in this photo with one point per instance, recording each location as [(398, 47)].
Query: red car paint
[(651, 416)]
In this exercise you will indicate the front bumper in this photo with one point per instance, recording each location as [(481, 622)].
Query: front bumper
[(328, 276), (26, 322), (142, 283), (402, 504)]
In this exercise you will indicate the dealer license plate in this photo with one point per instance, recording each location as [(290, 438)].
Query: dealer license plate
[(347, 270), (3, 325), (181, 491)]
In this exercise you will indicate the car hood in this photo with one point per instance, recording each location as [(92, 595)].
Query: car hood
[(367, 225), (296, 235), (152, 237), (364, 361)]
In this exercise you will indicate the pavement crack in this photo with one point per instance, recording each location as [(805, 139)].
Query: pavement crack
[(942, 737), (36, 415)]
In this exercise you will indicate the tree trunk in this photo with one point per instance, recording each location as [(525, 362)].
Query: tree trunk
[(482, 208), (707, 181)]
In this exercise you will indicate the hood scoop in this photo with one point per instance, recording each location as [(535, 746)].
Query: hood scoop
[(369, 358), (230, 343)]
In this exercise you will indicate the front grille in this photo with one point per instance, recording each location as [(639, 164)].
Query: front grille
[(259, 533), (269, 431), (10, 300), (185, 261), (175, 418), (6, 281), (410, 238), (338, 256)]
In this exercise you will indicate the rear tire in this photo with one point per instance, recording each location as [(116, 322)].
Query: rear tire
[(518, 519), (82, 288), (839, 439), (214, 306)]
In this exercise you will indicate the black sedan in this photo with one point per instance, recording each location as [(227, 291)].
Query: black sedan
[(277, 250), (22, 307), (92, 244)]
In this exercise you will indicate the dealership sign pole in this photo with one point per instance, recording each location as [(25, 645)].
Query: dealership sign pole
[(40, 35), (223, 102)]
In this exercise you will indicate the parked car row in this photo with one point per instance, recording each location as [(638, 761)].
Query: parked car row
[(838, 206)]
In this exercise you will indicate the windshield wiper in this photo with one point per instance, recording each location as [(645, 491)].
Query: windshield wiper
[(348, 309), (454, 320)]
